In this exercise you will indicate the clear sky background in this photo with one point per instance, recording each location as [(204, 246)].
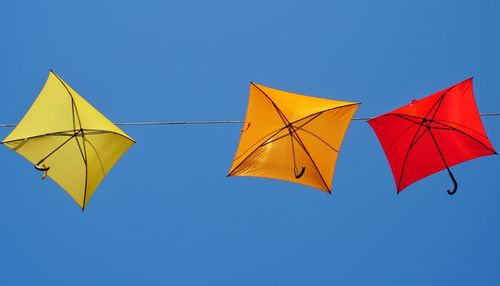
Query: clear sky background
[(167, 215)]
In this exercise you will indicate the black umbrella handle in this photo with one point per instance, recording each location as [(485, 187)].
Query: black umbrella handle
[(43, 168), (455, 185), (298, 175)]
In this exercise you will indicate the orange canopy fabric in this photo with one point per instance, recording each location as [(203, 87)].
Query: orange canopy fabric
[(292, 137)]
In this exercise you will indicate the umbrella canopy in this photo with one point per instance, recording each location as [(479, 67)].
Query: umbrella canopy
[(68, 139), (291, 137), (432, 134)]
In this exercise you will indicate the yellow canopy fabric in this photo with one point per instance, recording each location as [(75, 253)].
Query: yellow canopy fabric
[(63, 133), (292, 137)]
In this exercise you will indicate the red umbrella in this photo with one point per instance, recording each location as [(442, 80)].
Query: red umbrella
[(432, 134)]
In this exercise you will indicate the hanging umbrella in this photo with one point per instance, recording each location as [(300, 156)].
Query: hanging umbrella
[(68, 140), (432, 134), (291, 137)]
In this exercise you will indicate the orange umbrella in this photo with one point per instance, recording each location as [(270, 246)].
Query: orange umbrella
[(292, 137)]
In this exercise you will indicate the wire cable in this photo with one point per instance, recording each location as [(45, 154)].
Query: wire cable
[(152, 123)]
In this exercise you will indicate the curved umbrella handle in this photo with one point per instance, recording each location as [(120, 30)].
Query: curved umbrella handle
[(43, 168), (455, 185), (298, 175), (245, 128)]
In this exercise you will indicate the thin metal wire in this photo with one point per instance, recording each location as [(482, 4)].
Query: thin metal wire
[(151, 123), (178, 122), (490, 114), (362, 118)]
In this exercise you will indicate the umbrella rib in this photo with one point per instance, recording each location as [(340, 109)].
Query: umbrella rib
[(312, 161), (65, 133), (77, 113), (86, 170), (410, 147), (97, 155), (73, 105), (305, 130), (319, 138), (112, 132), (280, 113), (313, 116), (59, 147), (275, 139), (253, 151), (19, 145), (283, 118), (437, 146), (399, 137), (326, 110), (73, 113), (441, 128), (440, 121), (418, 138), (269, 135), (60, 133), (437, 105), (466, 134), (81, 150), (83, 153), (402, 116), (405, 117)]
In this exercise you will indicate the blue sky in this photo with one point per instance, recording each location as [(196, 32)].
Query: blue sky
[(166, 214)]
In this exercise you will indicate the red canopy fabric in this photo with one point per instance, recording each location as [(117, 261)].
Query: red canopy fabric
[(432, 134)]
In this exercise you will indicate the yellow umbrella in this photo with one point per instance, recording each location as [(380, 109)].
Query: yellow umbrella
[(68, 139), (291, 137)]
